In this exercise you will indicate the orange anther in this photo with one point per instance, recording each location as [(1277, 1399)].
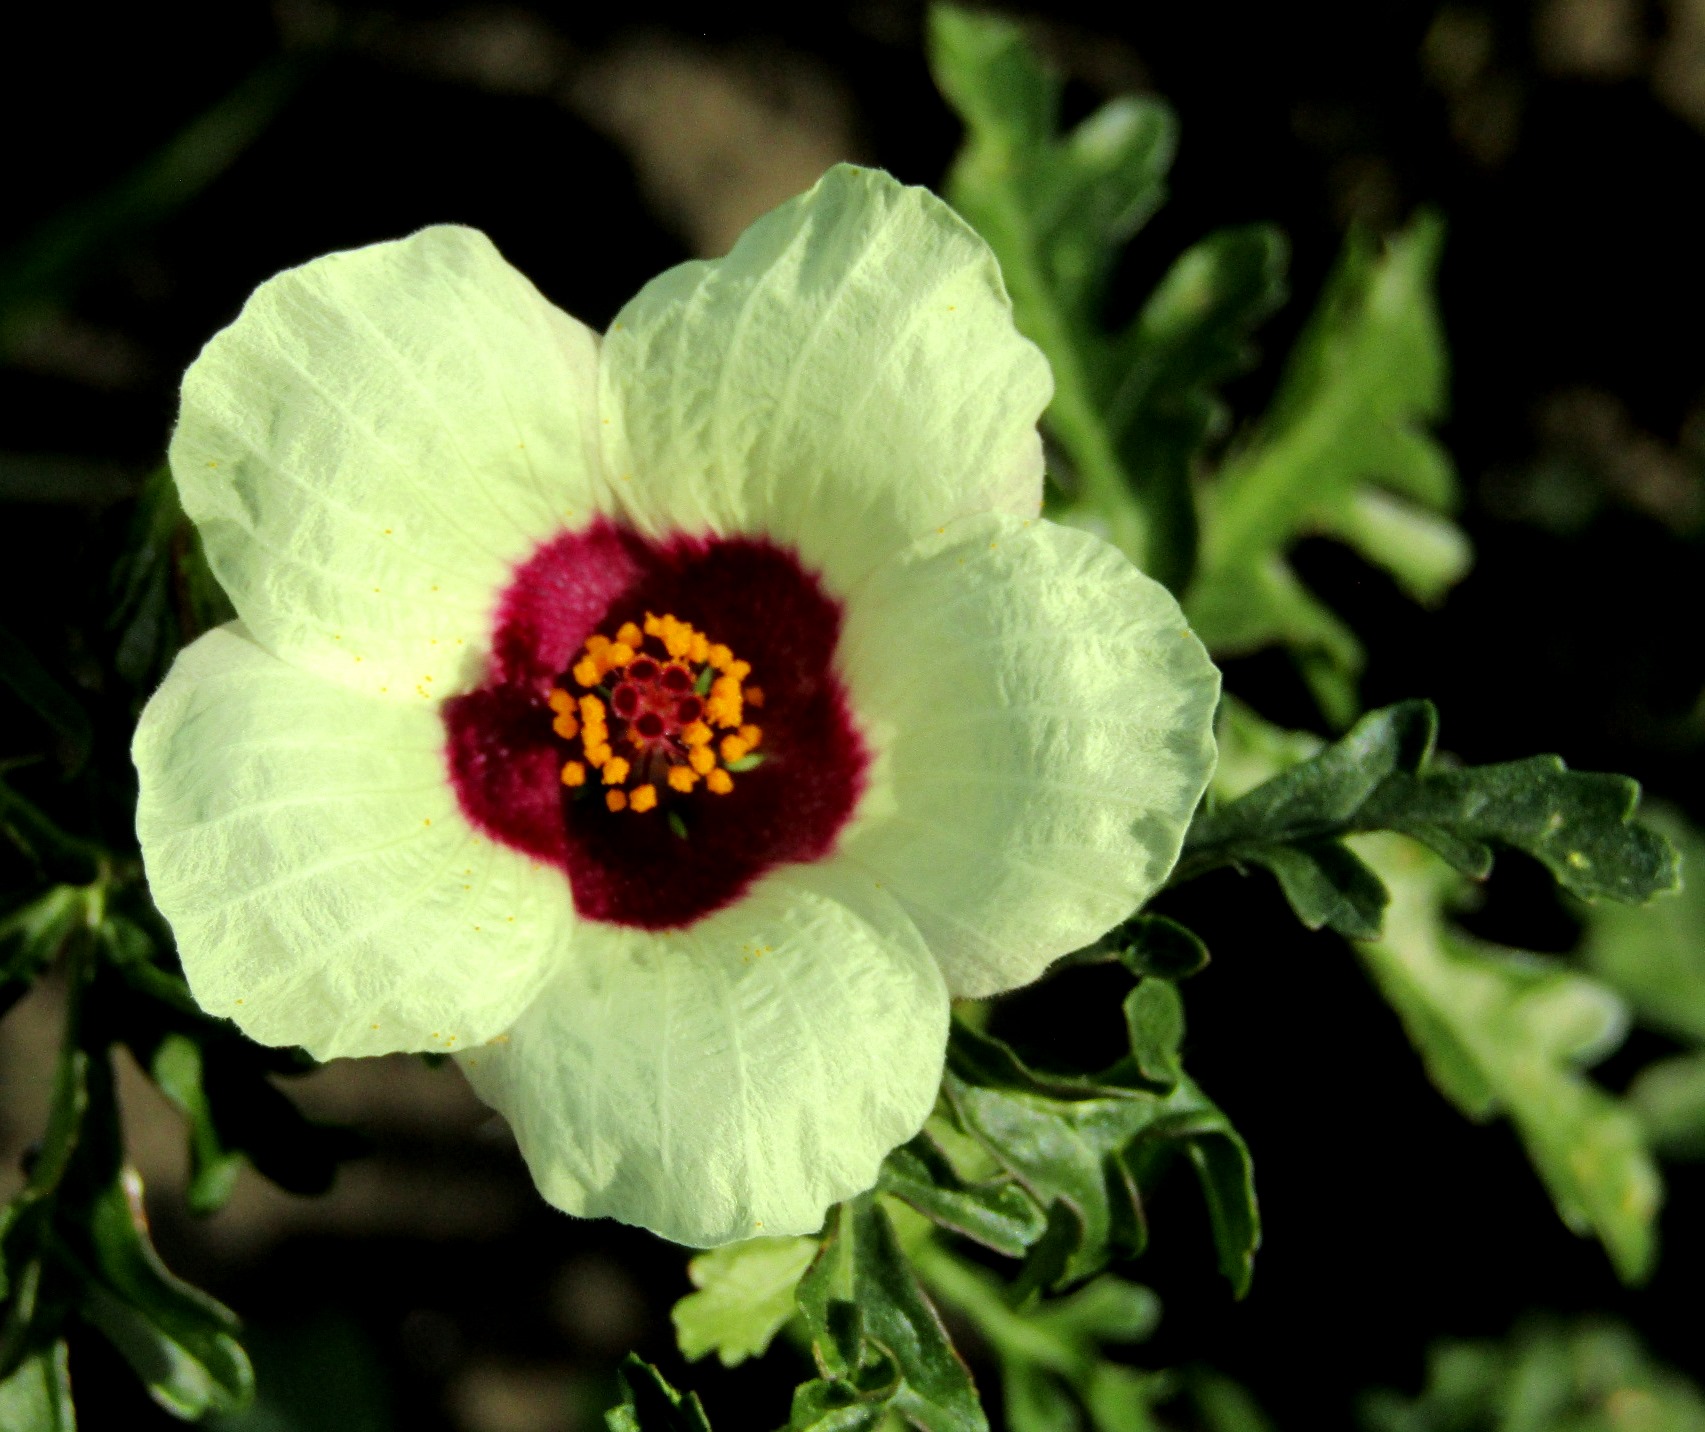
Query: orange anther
[(617, 654), (739, 670), (719, 656), (733, 748), (702, 759), (586, 671), (696, 734), (699, 652), (596, 643), (591, 710), (682, 778), (615, 770), (720, 781), (598, 754), (644, 798), (574, 774), (559, 700), (754, 696), (566, 726), (616, 800), (629, 635), (751, 735)]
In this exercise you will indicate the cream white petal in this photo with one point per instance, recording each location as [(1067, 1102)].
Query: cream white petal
[(845, 380), (1043, 721), (731, 1079), (375, 442), (324, 888)]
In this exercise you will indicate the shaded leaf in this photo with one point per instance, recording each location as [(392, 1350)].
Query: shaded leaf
[(37, 688), (32, 936), (745, 1295), (1668, 1098), (1381, 776), (650, 1404), (1506, 1034), (1155, 945), (877, 1340), (995, 1212)]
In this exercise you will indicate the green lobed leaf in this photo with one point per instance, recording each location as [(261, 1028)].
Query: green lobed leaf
[(1591, 1376), (1668, 1098), (878, 1342), (745, 1296), (650, 1404), (1381, 776), (1343, 452), (995, 1211), (1052, 1353), (37, 1396), (1655, 957), (32, 936), (1132, 411), (1155, 945), (1506, 1034), (1084, 1148)]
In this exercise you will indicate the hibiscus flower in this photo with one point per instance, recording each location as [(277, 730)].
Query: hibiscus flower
[(668, 724)]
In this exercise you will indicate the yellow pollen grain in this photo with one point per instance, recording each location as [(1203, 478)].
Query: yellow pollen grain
[(739, 670), (653, 624), (719, 782), (599, 755), (733, 748), (559, 700), (629, 635), (615, 770), (596, 643), (719, 656), (586, 671), (751, 735), (696, 734), (573, 774), (678, 640), (566, 726), (591, 710), (644, 798), (616, 800), (702, 759), (754, 696), (699, 653), (682, 778)]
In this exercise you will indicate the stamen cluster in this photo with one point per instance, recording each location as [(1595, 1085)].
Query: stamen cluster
[(652, 702)]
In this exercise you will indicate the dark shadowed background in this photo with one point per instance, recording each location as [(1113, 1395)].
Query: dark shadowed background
[(162, 160)]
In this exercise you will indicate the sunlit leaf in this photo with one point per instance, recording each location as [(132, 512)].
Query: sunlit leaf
[(745, 1295), (1507, 1035)]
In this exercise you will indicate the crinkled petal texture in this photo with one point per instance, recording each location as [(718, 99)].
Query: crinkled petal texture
[(844, 381), (1044, 718), (375, 443), (324, 889), (731, 1079)]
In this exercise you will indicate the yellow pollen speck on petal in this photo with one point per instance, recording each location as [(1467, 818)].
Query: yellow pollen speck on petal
[(629, 635), (586, 671), (720, 782), (751, 735), (616, 770), (573, 774), (696, 734), (702, 759), (682, 778), (559, 700), (427, 821), (754, 696), (616, 800), (733, 748), (644, 798)]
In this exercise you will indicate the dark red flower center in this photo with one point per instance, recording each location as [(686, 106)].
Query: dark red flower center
[(660, 720)]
